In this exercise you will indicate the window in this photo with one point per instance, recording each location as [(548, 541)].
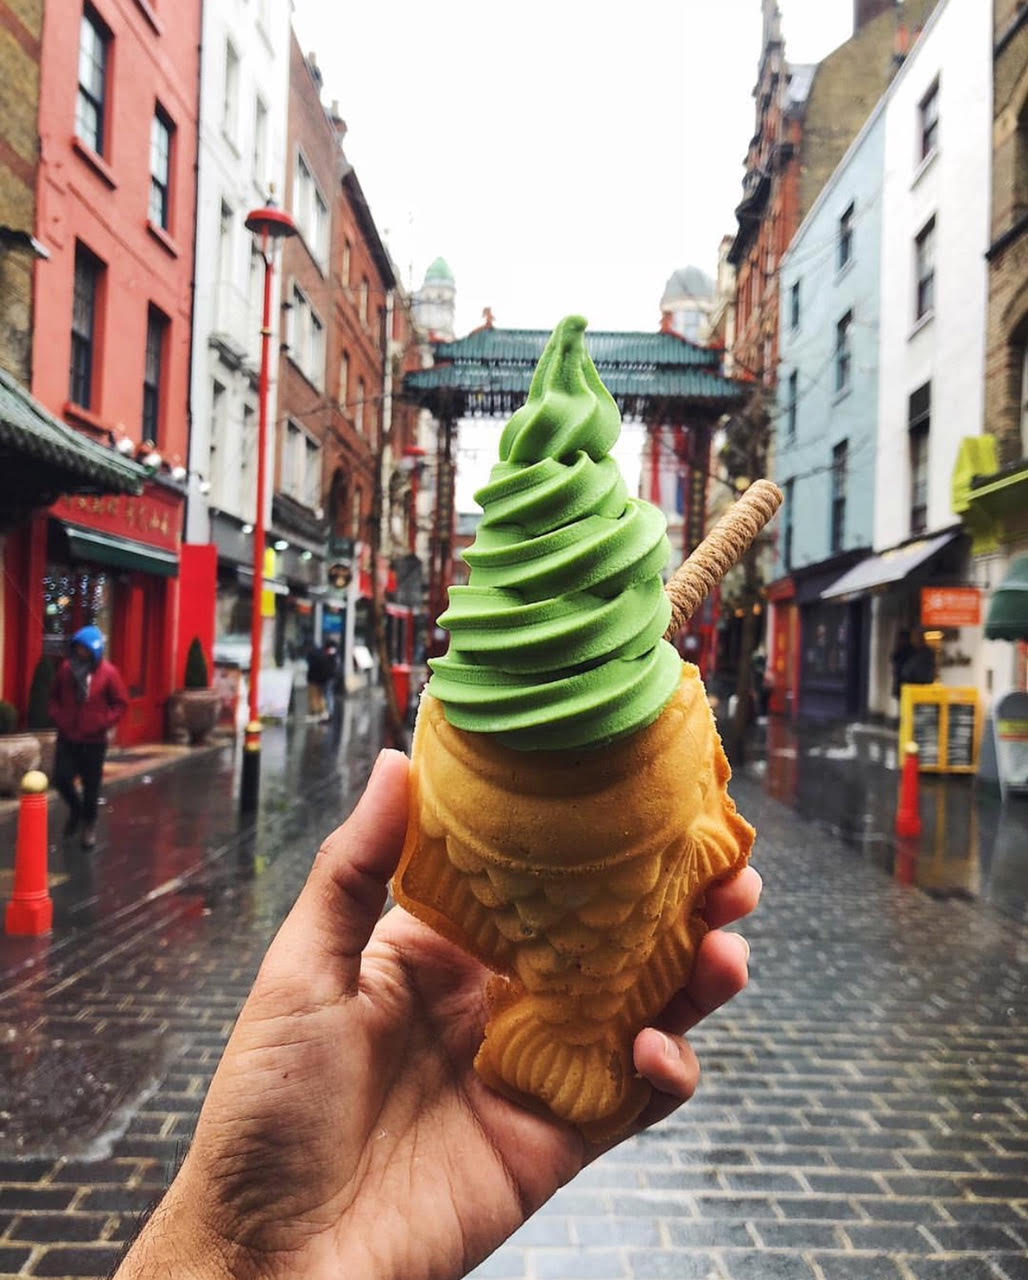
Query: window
[(362, 301), (218, 459), (344, 380), (843, 353), (310, 211), (223, 292), (845, 241), (924, 270), (246, 470), (794, 305), (91, 103), (928, 115), (230, 104), (1024, 402), (88, 276), (156, 341), (840, 462), (791, 403), (355, 516), (255, 302), (919, 414), (307, 345), (788, 488), (312, 474), (358, 408), (260, 143), (344, 266), (161, 133)]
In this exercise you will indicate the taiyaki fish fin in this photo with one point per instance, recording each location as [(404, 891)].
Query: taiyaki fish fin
[(525, 1059)]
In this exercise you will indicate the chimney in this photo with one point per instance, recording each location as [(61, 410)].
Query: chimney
[(336, 119), (315, 70), (865, 11)]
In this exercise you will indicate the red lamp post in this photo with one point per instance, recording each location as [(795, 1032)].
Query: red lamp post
[(270, 225)]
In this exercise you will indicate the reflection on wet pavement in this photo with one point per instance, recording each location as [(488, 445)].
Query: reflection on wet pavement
[(846, 778), (170, 854)]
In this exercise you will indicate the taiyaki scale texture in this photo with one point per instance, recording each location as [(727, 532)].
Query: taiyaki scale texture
[(576, 876)]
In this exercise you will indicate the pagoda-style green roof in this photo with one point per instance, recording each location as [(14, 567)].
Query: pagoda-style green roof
[(650, 375), (30, 435)]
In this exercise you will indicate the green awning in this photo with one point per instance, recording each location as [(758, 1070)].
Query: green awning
[(119, 553), (29, 430), (1008, 608)]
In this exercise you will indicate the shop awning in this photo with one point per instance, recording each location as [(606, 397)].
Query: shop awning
[(29, 430), (275, 585), (1008, 608), (888, 567), (119, 553)]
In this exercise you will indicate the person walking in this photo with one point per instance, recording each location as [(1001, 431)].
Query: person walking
[(331, 679), (88, 700), (317, 676), (919, 665)]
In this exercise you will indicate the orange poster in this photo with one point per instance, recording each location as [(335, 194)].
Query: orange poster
[(951, 607)]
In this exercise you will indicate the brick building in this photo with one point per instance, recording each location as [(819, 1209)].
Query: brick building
[(806, 117), (342, 431), (1006, 393), (21, 28), (990, 481), (115, 211)]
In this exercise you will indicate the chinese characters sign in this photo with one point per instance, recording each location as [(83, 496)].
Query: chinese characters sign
[(153, 518)]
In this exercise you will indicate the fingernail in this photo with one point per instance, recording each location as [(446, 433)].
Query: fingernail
[(745, 944), (666, 1045), (377, 765)]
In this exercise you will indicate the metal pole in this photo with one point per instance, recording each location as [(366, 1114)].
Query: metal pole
[(250, 781)]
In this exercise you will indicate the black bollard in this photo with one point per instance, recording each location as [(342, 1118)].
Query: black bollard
[(250, 778)]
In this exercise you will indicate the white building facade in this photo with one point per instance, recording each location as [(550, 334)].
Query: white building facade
[(242, 160), (935, 232)]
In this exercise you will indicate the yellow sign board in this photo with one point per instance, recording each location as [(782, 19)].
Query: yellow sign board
[(267, 593), (946, 725)]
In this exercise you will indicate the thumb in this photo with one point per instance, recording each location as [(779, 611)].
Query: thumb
[(333, 918)]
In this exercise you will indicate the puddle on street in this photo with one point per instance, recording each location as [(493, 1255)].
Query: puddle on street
[(846, 779)]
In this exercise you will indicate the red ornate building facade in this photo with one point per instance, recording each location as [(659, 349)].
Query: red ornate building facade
[(115, 200)]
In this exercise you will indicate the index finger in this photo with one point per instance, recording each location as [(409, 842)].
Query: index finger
[(730, 900)]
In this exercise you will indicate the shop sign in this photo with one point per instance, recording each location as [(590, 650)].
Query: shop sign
[(150, 518), (951, 607)]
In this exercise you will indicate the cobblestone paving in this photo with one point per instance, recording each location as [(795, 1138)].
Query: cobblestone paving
[(863, 1113)]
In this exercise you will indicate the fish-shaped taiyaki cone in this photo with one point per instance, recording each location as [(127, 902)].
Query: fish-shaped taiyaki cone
[(577, 877), (569, 805)]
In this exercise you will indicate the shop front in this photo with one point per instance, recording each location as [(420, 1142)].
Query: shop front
[(824, 643), (890, 585), (113, 562)]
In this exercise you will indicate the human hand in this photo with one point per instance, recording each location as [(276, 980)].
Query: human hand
[(345, 1132)]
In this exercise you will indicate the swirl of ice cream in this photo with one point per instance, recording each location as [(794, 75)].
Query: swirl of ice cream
[(556, 641)]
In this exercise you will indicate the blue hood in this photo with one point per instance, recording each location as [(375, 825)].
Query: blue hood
[(93, 639)]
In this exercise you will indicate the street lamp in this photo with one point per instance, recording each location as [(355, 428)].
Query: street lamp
[(268, 226)]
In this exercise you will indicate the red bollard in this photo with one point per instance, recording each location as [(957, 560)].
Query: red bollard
[(30, 911), (908, 815)]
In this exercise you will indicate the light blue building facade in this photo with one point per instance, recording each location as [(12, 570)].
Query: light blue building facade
[(825, 434)]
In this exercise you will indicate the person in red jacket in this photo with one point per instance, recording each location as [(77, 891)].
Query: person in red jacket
[(88, 700)]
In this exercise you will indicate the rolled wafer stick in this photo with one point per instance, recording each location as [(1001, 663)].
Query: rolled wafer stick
[(724, 546)]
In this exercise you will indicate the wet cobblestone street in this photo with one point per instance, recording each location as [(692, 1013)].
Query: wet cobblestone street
[(863, 1112)]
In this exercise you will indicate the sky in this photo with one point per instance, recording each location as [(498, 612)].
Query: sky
[(561, 155)]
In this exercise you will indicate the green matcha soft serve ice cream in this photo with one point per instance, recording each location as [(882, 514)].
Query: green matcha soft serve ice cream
[(557, 640)]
